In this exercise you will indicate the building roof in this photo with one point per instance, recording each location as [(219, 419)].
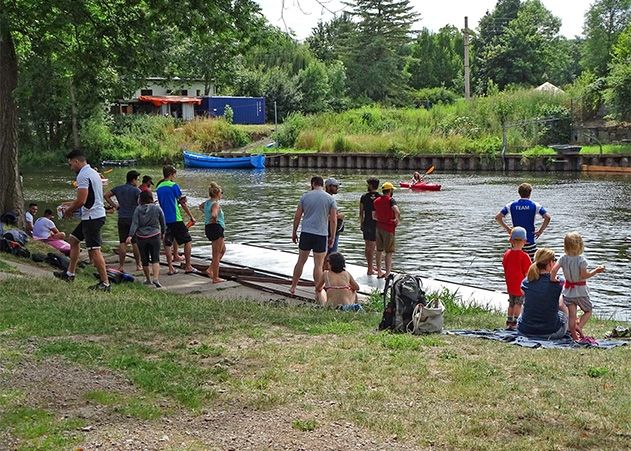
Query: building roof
[(164, 100), (549, 88)]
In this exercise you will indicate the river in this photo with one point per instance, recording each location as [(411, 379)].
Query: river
[(450, 234)]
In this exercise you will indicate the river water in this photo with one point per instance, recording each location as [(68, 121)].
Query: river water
[(450, 234)]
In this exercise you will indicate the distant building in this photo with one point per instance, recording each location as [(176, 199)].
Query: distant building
[(549, 88)]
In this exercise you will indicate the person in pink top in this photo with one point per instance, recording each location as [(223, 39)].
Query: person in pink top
[(516, 264)]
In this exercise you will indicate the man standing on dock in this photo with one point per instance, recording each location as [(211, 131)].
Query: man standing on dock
[(387, 215), (368, 224), (523, 213), (318, 229)]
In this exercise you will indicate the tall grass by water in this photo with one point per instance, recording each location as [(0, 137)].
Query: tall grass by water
[(150, 139), (465, 126)]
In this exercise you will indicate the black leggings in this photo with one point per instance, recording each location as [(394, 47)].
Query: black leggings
[(149, 250)]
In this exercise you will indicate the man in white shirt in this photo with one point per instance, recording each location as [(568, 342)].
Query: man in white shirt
[(90, 201), (29, 218), (45, 230)]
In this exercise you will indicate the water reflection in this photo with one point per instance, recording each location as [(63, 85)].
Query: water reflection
[(449, 234)]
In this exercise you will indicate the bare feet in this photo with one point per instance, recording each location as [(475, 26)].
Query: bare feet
[(218, 280), (177, 258), (122, 269), (138, 268), (292, 290)]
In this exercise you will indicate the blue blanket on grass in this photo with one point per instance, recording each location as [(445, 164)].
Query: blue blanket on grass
[(512, 337)]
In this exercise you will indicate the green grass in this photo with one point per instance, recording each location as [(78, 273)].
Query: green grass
[(200, 354)]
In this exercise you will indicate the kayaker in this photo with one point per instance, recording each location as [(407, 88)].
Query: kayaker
[(368, 224), (523, 212), (387, 214), (126, 203), (318, 211), (416, 178)]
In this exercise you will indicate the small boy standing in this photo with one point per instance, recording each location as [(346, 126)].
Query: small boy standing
[(516, 264)]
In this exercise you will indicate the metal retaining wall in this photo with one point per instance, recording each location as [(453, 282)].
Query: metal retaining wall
[(453, 162)]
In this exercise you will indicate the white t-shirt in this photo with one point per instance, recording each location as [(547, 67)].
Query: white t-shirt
[(28, 217), (94, 207), (42, 228)]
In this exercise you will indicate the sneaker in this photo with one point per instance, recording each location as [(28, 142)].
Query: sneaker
[(147, 282), (100, 287), (63, 275), (157, 284)]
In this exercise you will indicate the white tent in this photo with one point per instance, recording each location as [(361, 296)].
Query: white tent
[(549, 88)]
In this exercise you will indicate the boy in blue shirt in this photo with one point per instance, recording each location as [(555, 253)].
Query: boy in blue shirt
[(523, 213)]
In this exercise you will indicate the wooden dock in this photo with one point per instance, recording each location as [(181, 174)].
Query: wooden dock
[(274, 269)]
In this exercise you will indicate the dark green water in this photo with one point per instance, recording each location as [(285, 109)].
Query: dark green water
[(449, 234)]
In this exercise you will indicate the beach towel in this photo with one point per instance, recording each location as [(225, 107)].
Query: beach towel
[(512, 337)]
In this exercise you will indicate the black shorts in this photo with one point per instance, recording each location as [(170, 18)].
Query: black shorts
[(124, 224), (149, 250), (90, 231), (213, 231), (178, 232), (370, 232), (312, 242)]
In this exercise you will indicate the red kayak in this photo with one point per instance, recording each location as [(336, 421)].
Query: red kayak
[(421, 186)]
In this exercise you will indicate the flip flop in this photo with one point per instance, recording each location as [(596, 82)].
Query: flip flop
[(175, 271), (381, 276), (193, 271)]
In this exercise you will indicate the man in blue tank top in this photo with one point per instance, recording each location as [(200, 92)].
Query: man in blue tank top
[(523, 213)]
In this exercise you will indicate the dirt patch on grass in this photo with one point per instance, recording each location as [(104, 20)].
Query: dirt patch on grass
[(61, 387)]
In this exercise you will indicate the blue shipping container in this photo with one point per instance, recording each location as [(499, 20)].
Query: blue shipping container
[(247, 110)]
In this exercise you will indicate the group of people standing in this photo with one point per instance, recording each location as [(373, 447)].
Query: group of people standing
[(540, 304), (322, 223), (141, 222)]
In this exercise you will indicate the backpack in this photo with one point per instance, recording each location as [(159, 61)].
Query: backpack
[(57, 261), (116, 276), (403, 293), (13, 247), (16, 235)]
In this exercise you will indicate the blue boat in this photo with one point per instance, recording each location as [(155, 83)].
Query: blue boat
[(200, 160)]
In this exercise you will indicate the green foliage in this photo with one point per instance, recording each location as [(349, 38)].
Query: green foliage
[(288, 132), (427, 97), (618, 96), (473, 126), (305, 425), (559, 131), (313, 82), (604, 22), (596, 372)]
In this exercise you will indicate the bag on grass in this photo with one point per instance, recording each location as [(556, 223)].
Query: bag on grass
[(58, 261), (429, 318), (401, 294), (16, 235), (14, 248), (116, 276)]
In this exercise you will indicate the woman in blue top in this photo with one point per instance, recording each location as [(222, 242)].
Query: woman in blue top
[(545, 314), (214, 220)]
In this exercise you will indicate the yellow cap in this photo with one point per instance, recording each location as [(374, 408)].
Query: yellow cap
[(387, 185)]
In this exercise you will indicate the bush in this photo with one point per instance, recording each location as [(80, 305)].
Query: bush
[(558, 131), (290, 129), (618, 95), (428, 97), (228, 114)]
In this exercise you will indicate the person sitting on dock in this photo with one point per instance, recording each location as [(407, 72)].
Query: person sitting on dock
[(46, 231), (523, 212), (320, 221), (387, 215), (368, 224), (336, 286), (214, 230), (127, 201), (170, 198)]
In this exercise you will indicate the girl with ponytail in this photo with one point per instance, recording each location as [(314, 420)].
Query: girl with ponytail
[(545, 314)]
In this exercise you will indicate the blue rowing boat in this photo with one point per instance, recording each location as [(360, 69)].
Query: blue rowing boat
[(200, 160)]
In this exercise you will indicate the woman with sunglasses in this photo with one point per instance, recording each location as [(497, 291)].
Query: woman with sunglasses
[(544, 315)]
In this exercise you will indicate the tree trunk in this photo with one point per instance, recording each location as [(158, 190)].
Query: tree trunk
[(10, 186), (75, 125)]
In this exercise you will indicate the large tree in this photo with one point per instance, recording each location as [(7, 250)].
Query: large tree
[(374, 56), (98, 47), (604, 21)]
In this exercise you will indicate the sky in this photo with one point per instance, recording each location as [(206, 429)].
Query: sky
[(302, 15)]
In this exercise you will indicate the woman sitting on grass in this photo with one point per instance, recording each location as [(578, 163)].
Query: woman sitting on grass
[(336, 286), (544, 314)]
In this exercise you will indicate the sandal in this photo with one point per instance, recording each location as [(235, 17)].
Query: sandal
[(193, 271), (175, 271)]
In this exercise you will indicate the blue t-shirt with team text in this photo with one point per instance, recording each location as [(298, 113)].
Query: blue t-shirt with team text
[(523, 213)]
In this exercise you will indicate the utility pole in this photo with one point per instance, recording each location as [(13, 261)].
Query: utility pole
[(467, 68)]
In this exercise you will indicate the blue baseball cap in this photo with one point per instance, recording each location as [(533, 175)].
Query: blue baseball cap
[(518, 233)]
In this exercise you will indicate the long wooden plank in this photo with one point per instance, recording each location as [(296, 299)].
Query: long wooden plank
[(614, 169)]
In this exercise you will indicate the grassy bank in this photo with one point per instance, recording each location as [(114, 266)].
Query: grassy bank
[(151, 139), (301, 370)]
